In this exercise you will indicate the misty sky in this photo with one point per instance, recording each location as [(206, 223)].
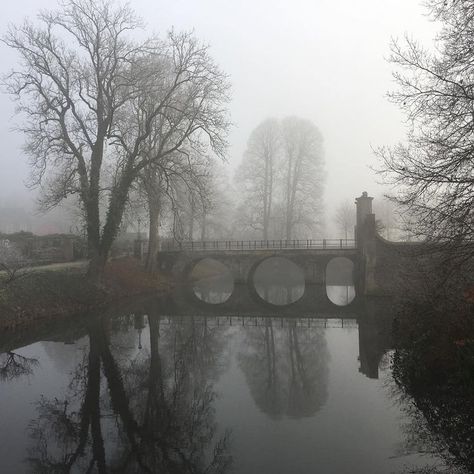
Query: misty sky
[(319, 59)]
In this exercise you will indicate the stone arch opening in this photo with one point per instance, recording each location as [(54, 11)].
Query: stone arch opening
[(278, 281), (340, 288), (211, 281)]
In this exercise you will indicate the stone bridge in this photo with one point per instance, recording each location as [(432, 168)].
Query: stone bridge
[(377, 264), (242, 264)]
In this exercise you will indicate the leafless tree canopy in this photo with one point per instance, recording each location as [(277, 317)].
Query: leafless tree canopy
[(177, 185), (281, 179), (434, 169), (345, 219), (13, 264), (91, 98), (258, 174)]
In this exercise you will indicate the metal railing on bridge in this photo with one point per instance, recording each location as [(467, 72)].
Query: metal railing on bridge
[(315, 321), (212, 245)]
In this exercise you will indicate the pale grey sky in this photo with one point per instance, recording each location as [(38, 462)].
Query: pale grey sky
[(319, 59)]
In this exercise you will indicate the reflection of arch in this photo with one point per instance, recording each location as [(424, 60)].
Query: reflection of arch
[(340, 288), (211, 280), (274, 286)]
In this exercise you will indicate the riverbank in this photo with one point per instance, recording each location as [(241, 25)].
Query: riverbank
[(65, 292), (433, 363)]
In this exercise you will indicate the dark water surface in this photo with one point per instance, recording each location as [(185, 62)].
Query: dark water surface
[(205, 394), (159, 389)]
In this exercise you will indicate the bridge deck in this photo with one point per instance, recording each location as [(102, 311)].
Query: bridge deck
[(246, 245)]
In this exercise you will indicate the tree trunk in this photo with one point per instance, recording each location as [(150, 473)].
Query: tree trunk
[(101, 246), (289, 224), (96, 269), (289, 204), (203, 226), (265, 201), (93, 394), (191, 221), (153, 234)]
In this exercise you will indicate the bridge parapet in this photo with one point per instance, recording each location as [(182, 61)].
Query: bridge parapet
[(255, 245)]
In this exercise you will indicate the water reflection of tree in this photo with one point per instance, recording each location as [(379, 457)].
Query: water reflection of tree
[(436, 430), (153, 414), (434, 373), (286, 369), (13, 365)]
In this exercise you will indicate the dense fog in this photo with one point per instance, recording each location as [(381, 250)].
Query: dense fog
[(319, 62)]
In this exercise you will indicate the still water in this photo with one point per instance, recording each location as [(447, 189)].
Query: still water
[(146, 392)]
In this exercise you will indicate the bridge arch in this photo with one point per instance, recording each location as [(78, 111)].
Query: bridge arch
[(340, 280), (209, 279), (243, 264), (277, 280)]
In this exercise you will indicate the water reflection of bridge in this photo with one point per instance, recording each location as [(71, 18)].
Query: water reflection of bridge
[(244, 300), (263, 321), (371, 316), (373, 321)]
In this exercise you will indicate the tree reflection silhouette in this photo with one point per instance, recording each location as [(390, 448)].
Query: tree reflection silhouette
[(439, 422), (13, 365), (433, 367), (286, 369), (152, 414)]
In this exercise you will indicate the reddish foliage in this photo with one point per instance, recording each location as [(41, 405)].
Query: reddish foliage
[(469, 295), (126, 277), (58, 294)]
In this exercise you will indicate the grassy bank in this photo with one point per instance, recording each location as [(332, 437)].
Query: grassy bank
[(66, 292)]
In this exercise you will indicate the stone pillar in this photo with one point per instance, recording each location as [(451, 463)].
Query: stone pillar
[(363, 209), (366, 243)]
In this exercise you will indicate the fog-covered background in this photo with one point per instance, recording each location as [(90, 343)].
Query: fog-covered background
[(317, 59)]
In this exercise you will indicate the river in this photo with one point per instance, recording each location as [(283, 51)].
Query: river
[(153, 388)]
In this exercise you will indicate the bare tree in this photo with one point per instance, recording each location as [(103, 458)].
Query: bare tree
[(178, 183), (257, 173), (12, 263), (435, 169), (388, 217), (345, 218), (303, 177), (281, 179), (91, 96), (216, 214)]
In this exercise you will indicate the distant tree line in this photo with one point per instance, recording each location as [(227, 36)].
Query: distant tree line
[(280, 180)]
